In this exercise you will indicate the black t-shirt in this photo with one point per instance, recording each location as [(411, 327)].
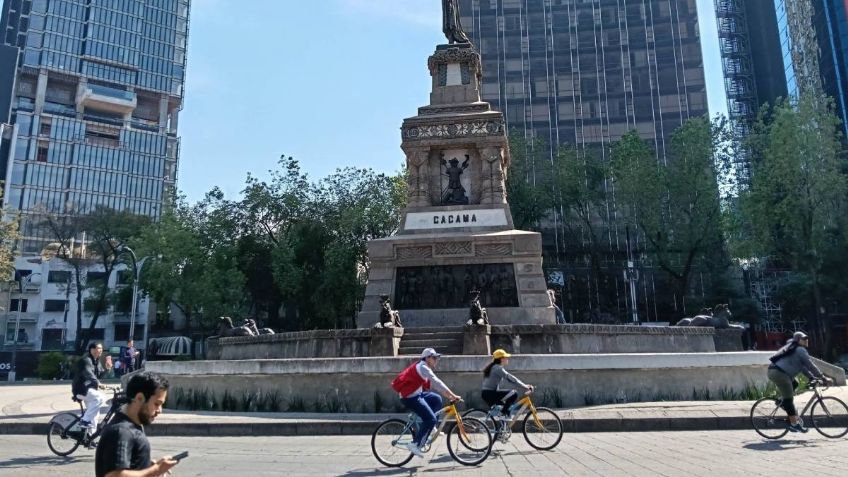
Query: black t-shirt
[(123, 445)]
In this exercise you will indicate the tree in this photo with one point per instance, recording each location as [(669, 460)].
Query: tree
[(84, 242), (675, 206), (794, 212), (528, 186), (9, 237), (195, 263)]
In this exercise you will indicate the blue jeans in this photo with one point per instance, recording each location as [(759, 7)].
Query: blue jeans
[(425, 406)]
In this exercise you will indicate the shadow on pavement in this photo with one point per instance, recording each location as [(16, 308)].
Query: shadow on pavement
[(394, 471), (779, 445), (26, 462)]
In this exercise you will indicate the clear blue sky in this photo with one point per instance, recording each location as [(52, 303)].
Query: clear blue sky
[(325, 81)]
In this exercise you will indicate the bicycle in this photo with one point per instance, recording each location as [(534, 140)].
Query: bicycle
[(542, 428), (828, 414), (65, 435), (469, 440)]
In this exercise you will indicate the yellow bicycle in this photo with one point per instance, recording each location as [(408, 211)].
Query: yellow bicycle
[(542, 428), (469, 439)]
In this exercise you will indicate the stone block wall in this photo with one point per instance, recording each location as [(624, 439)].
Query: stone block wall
[(362, 385), (306, 344), (589, 338)]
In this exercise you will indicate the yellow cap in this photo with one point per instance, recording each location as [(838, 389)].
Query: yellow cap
[(499, 353)]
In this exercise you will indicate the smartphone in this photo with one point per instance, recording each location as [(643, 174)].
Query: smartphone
[(180, 456)]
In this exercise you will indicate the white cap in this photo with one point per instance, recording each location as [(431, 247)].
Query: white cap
[(428, 352), (798, 336)]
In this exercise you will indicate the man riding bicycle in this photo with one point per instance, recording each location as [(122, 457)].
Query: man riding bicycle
[(787, 363), (86, 385), (413, 385)]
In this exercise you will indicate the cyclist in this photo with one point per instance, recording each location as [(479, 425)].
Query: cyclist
[(785, 365), (86, 385), (413, 386), (493, 374)]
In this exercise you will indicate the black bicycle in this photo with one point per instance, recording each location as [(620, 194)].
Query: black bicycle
[(66, 435), (829, 415)]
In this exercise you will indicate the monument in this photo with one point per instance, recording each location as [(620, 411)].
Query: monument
[(456, 233)]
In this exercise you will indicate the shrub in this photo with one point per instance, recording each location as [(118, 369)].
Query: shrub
[(49, 365)]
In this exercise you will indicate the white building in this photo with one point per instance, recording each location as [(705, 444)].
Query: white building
[(46, 311)]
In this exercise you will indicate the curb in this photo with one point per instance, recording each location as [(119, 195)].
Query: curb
[(363, 428)]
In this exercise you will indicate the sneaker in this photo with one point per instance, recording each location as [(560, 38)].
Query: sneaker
[(797, 427), (415, 449)]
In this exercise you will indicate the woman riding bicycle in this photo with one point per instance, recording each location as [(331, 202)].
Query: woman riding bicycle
[(493, 375), (413, 385), (787, 363)]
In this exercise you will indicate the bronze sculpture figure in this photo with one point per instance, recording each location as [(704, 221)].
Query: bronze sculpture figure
[(451, 25), (388, 318)]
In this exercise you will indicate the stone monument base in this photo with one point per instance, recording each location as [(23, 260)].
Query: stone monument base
[(428, 276)]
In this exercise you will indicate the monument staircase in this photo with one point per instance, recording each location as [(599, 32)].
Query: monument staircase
[(444, 339)]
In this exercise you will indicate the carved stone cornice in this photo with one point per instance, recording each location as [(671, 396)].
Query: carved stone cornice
[(454, 55), (454, 129)]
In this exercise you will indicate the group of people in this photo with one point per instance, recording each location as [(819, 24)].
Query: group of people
[(418, 388), (125, 451)]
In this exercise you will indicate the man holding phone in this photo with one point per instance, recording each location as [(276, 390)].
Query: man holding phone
[(124, 450)]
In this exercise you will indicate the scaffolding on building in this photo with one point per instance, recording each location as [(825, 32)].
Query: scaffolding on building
[(739, 84)]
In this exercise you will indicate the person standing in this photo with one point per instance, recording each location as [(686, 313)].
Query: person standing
[(124, 450), (129, 357), (86, 385)]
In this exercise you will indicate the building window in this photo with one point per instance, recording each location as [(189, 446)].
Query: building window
[(122, 332), (41, 155), (124, 277), (96, 334), (13, 304), (91, 277), (59, 277), (55, 305), (20, 274)]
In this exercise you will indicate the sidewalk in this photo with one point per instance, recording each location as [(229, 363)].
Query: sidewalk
[(27, 409)]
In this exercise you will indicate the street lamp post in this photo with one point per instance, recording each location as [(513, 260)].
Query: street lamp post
[(137, 266), (21, 285)]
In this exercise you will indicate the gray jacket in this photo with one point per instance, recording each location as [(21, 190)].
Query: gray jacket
[(799, 362), (498, 374)]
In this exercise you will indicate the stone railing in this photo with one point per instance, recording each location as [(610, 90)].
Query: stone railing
[(307, 344), (590, 338)]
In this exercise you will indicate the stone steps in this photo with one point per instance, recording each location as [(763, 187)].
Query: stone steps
[(445, 340)]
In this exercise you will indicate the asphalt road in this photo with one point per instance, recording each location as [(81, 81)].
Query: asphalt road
[(690, 454)]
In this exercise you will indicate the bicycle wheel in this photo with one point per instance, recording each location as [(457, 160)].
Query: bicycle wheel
[(544, 431), (61, 442), (388, 443), (830, 417), (483, 416), (769, 419), (472, 443)]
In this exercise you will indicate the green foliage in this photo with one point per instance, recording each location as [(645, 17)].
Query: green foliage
[(794, 213), (48, 364), (675, 205), (528, 187), (291, 252)]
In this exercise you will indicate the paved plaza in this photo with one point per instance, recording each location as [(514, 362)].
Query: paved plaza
[(705, 453)]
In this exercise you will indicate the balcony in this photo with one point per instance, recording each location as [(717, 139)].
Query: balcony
[(104, 98), (26, 317)]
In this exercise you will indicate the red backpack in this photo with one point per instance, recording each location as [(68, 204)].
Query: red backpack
[(409, 380)]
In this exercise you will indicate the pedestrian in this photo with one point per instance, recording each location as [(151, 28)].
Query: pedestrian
[(86, 385), (124, 446), (129, 356)]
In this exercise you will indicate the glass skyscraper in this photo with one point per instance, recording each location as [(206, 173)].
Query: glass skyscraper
[(94, 105), (584, 73)]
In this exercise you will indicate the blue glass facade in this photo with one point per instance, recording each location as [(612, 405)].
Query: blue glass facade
[(99, 87)]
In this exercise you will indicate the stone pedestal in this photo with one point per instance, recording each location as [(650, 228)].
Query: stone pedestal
[(475, 340), (729, 339), (456, 234), (385, 341)]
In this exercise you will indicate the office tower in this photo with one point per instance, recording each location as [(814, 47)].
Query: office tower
[(584, 73), (93, 90), (98, 90)]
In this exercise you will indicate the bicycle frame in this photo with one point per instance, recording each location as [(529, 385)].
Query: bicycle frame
[(817, 395), (524, 404), (442, 418)]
